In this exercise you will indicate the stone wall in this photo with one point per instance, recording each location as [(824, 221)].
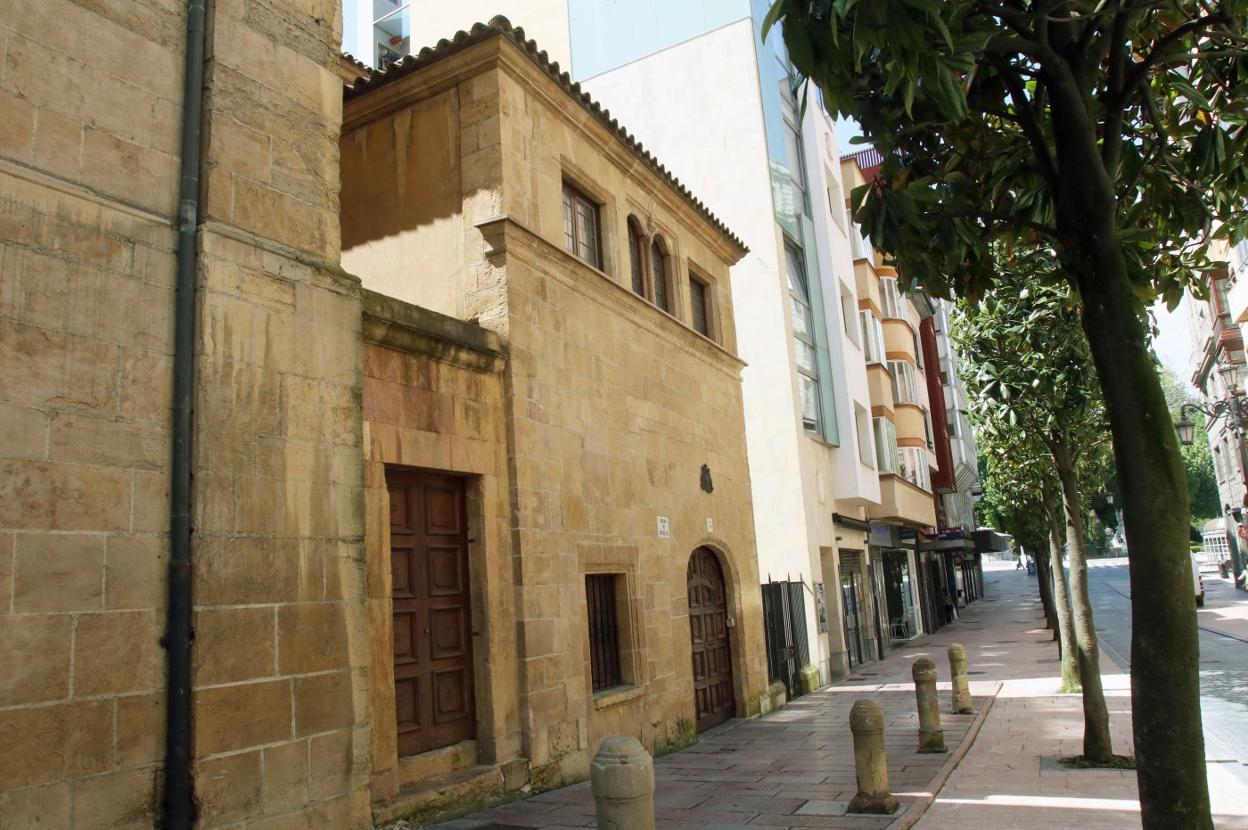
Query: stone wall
[(615, 411), (433, 399), (610, 406), (86, 270), (90, 106)]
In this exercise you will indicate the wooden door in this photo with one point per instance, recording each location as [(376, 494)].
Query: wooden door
[(714, 696), (432, 614)]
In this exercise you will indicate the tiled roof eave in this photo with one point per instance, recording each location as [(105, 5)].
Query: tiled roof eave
[(500, 26)]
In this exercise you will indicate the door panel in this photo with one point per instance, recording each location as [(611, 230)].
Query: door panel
[(432, 612), (713, 687)]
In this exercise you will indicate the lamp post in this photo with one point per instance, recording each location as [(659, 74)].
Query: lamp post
[(1232, 407)]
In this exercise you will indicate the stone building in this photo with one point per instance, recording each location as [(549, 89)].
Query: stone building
[(91, 108), (562, 458), (570, 457)]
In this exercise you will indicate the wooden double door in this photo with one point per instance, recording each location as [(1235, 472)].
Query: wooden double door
[(433, 688), (713, 687)]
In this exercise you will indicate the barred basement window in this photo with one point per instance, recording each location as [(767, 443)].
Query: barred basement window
[(604, 631)]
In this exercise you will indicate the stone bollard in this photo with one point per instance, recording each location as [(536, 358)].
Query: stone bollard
[(621, 777), (931, 736), (962, 704), (866, 722)]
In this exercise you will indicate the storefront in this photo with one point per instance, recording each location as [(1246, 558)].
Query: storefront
[(863, 627), (954, 581), (896, 581)]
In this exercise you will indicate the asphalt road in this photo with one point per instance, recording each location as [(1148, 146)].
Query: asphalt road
[(1223, 659)]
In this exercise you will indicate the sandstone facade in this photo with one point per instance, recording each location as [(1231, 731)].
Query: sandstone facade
[(581, 424), (89, 143)]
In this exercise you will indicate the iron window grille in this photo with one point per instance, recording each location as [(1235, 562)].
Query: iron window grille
[(604, 631)]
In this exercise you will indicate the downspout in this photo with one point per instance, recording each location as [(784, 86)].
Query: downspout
[(178, 811)]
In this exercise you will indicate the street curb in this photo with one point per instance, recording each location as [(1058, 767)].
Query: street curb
[(919, 806), (1115, 656)]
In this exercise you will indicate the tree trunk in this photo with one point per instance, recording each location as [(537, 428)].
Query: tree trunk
[(1044, 579), (1165, 679), (1061, 599), (1165, 652), (1097, 745)]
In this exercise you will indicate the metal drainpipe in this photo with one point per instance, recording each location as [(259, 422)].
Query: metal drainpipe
[(178, 811)]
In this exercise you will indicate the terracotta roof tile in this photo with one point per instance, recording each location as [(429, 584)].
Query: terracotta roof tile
[(868, 160)]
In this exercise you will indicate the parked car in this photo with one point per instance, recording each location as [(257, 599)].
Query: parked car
[(1198, 583)]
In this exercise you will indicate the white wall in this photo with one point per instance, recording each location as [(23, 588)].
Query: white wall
[(674, 101), (854, 481)]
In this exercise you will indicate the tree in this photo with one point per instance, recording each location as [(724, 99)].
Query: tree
[(1011, 501), (1113, 132), (1025, 364)]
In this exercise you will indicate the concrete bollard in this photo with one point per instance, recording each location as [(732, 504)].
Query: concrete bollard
[(931, 736), (866, 722), (621, 777), (962, 704)]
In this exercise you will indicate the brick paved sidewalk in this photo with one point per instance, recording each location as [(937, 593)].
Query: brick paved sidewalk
[(1008, 778), (794, 768)]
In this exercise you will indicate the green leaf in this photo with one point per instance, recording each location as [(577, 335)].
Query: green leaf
[(773, 14)]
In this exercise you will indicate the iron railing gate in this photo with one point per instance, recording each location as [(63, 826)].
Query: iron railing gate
[(784, 623)]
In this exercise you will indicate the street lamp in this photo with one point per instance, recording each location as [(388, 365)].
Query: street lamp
[(1186, 427), (1232, 407)]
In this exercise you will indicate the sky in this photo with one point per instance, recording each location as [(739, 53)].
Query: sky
[(1173, 344)]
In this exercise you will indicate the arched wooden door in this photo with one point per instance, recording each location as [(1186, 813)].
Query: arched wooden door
[(713, 688)]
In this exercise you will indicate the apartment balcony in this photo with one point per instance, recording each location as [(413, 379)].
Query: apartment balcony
[(898, 336), (867, 282), (911, 422), (1226, 333), (904, 502), (880, 385)]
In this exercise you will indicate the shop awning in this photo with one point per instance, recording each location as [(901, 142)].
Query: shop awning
[(950, 541), (988, 540), (947, 545)]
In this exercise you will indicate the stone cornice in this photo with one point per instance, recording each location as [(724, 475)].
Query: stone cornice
[(409, 328)]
